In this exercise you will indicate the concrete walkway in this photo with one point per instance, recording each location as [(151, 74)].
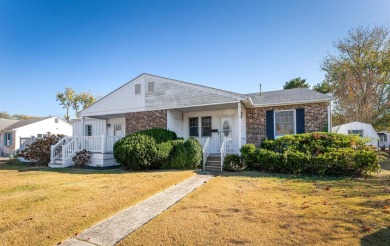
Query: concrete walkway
[(117, 227)]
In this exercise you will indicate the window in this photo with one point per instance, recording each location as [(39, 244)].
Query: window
[(356, 132), (284, 122), (137, 89), (41, 135), (88, 130), (117, 130), (194, 127), (7, 139), (150, 87), (382, 137), (206, 126)]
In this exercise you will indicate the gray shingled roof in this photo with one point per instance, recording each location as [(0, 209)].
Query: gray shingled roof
[(299, 95), (4, 123), (22, 123)]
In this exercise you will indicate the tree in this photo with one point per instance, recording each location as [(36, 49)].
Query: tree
[(322, 88), (296, 83), (5, 115), (67, 100), (359, 74), (83, 99), (70, 99)]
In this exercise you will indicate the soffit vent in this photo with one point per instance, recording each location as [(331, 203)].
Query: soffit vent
[(150, 87), (137, 89)]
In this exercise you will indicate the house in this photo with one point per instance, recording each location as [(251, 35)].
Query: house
[(384, 139), (18, 133), (219, 119), (358, 128)]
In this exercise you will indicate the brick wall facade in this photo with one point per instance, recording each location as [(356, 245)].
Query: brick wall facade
[(316, 118), (144, 120)]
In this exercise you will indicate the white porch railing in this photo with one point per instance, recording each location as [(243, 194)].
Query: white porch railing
[(56, 150), (206, 151), (67, 147)]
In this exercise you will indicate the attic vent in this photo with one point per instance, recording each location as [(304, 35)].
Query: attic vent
[(137, 89), (150, 87), (55, 120)]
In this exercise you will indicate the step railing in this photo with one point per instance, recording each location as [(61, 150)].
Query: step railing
[(223, 151), (206, 152), (67, 147), (56, 150)]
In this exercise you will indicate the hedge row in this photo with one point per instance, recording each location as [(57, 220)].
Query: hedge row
[(313, 153), (157, 149)]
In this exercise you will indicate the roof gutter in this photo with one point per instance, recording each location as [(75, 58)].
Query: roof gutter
[(292, 103)]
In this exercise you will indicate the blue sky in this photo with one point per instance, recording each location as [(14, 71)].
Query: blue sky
[(95, 45)]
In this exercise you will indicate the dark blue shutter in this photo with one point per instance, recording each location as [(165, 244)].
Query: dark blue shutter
[(270, 124), (300, 117)]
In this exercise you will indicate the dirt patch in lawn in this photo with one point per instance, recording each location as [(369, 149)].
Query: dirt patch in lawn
[(42, 206), (253, 208)]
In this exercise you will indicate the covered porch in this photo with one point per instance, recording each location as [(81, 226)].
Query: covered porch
[(213, 124)]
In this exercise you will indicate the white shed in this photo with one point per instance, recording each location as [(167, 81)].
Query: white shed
[(359, 128)]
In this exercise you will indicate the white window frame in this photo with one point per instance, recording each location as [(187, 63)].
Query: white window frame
[(189, 128), (295, 121)]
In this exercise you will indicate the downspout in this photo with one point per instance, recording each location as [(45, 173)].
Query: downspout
[(329, 118)]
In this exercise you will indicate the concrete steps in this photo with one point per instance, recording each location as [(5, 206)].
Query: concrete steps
[(213, 163)]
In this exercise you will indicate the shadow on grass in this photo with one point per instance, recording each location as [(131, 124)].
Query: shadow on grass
[(381, 237), (25, 167)]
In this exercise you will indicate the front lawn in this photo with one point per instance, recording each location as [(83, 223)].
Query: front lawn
[(43, 206), (253, 208)]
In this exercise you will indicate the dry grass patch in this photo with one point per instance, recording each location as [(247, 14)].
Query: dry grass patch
[(42, 206), (252, 208)]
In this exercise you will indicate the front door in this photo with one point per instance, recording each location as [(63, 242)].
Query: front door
[(227, 131)]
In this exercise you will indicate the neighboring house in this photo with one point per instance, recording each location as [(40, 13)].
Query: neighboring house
[(384, 139), (213, 116), (5, 138), (358, 128), (13, 135)]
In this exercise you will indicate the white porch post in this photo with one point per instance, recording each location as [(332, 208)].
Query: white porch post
[(83, 126), (239, 125)]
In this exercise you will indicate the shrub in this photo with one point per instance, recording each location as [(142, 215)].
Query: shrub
[(247, 153), (82, 158), (315, 154), (186, 155), (39, 151), (136, 151), (233, 163), (160, 135)]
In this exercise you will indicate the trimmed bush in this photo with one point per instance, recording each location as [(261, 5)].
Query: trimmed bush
[(136, 152), (315, 154), (157, 149), (160, 135), (233, 163), (247, 153), (186, 155)]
